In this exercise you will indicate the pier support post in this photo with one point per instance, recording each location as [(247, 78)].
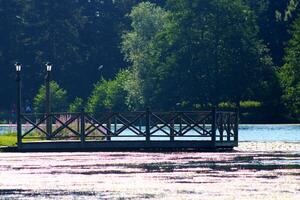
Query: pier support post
[(148, 125), (172, 137), (214, 125), (236, 126), (228, 124), (19, 122), (82, 127), (221, 127), (108, 126)]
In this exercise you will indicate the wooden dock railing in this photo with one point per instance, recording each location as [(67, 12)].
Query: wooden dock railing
[(218, 127)]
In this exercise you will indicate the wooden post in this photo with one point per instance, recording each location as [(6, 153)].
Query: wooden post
[(108, 126), (115, 124), (140, 124), (221, 128), (19, 122), (172, 129), (180, 125), (48, 106), (148, 125), (236, 126), (228, 124), (82, 126), (214, 125)]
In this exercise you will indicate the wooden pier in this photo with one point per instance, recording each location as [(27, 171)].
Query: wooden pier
[(121, 131)]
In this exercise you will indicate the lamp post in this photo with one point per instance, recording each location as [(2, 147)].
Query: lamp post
[(19, 123), (48, 101)]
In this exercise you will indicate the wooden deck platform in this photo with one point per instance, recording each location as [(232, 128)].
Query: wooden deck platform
[(126, 146)]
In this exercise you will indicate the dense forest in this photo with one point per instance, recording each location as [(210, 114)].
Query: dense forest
[(167, 55)]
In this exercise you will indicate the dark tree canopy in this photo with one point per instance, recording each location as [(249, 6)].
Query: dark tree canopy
[(290, 73), (193, 53), (130, 54)]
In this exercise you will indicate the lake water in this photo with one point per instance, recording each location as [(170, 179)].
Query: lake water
[(255, 170), (266, 132), (140, 175), (269, 132)]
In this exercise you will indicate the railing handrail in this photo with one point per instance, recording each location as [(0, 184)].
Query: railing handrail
[(132, 113)]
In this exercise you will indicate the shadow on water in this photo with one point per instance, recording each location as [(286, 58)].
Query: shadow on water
[(157, 167), (237, 163), (243, 158), (267, 162), (44, 193), (268, 177), (61, 194)]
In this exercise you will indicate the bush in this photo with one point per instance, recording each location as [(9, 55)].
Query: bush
[(76, 105), (58, 98), (226, 105), (108, 95), (250, 104)]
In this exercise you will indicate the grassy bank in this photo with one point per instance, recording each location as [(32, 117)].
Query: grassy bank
[(9, 139)]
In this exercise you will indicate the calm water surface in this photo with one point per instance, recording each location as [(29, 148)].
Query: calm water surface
[(266, 173), (269, 132)]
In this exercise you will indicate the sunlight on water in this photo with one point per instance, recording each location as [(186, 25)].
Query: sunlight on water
[(257, 170), (181, 175)]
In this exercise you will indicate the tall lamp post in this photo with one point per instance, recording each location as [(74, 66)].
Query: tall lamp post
[(19, 123), (48, 100)]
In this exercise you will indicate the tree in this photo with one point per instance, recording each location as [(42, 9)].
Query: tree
[(290, 73), (12, 25), (76, 36), (138, 45), (221, 49), (58, 98), (76, 105), (198, 52), (274, 18), (109, 94)]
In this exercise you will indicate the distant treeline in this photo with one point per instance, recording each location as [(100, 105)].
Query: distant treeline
[(168, 55)]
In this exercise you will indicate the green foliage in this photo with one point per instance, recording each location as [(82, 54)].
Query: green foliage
[(76, 105), (243, 104), (108, 94), (193, 53), (290, 73), (226, 105), (291, 8), (58, 98), (274, 18), (250, 104), (4, 117), (8, 140), (139, 47), (76, 36)]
